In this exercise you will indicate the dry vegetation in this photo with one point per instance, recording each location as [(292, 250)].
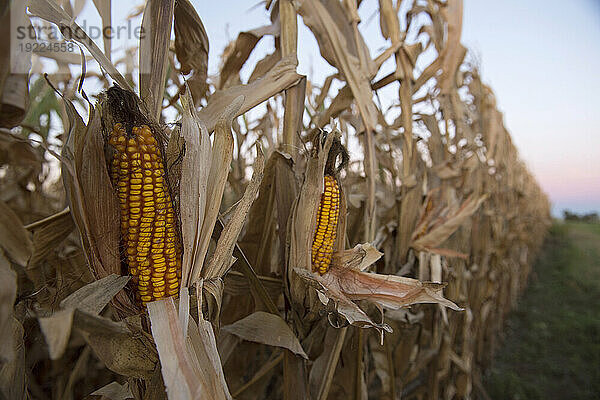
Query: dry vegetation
[(435, 207)]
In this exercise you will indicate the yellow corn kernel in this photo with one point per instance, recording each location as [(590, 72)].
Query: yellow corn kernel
[(147, 215), (327, 220)]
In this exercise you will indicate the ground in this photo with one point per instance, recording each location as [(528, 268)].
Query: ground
[(551, 347)]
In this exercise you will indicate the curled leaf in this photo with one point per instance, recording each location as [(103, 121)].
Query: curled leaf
[(346, 282), (440, 232)]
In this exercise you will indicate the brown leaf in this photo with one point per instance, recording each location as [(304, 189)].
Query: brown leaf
[(280, 77), (122, 351), (15, 66), (103, 8), (324, 367), (331, 29), (219, 263), (345, 282), (221, 156), (14, 239), (8, 294), (48, 237), (154, 52), (13, 374), (114, 391), (265, 65), (91, 298), (195, 169), (258, 241), (237, 53), (266, 328), (441, 232), (57, 330), (191, 368), (191, 47), (51, 12)]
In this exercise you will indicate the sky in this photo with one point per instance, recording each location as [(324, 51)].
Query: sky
[(541, 58)]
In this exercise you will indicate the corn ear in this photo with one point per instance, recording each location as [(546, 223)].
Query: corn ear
[(327, 221), (149, 234)]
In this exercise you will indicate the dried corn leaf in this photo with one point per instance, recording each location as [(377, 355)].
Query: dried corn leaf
[(330, 27), (126, 352), (93, 204), (154, 51), (191, 47), (202, 340), (16, 152), (342, 100), (236, 284), (193, 188), (14, 88), (237, 53), (258, 241), (220, 262), (104, 8), (266, 328), (280, 77), (48, 237), (91, 298), (265, 65), (441, 232), (191, 368), (389, 291), (221, 156), (8, 295), (446, 171), (342, 304), (57, 330), (454, 51), (345, 282), (434, 142), (14, 239), (51, 12), (324, 367), (114, 391), (13, 374)]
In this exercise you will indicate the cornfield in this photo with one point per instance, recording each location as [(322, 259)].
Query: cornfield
[(213, 237)]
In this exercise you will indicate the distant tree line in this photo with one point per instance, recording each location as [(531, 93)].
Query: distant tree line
[(589, 217)]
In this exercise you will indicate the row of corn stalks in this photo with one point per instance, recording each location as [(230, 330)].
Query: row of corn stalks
[(312, 248)]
